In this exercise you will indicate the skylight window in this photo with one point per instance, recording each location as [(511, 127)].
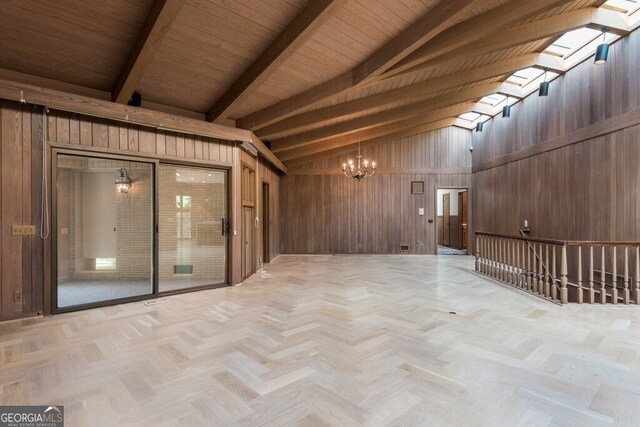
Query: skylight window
[(625, 6), (573, 41), (469, 116), (493, 100)]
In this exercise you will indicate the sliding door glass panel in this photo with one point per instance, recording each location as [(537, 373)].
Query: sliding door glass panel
[(192, 247), (104, 233)]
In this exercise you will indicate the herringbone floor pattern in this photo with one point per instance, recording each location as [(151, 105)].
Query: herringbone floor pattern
[(342, 340)]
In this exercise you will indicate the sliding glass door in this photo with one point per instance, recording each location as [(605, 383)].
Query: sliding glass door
[(104, 230), (191, 236)]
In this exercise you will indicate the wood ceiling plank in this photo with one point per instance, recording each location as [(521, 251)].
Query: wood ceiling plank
[(480, 26), (423, 109), (347, 144), (436, 85), (306, 119), (426, 28), (522, 34), (293, 37), (153, 32)]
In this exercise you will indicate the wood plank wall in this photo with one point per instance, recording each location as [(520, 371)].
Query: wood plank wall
[(24, 264), (583, 191), (323, 211)]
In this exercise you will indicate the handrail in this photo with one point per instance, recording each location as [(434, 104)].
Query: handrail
[(562, 242), (524, 239), (508, 258)]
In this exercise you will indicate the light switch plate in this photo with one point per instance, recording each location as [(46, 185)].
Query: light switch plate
[(421, 211), (23, 230)]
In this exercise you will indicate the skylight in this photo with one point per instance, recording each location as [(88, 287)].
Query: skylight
[(625, 6), (574, 47), (572, 41)]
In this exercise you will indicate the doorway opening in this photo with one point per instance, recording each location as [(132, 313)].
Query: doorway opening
[(452, 221)]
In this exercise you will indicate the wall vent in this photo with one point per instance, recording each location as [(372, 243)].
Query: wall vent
[(404, 248), (183, 269)]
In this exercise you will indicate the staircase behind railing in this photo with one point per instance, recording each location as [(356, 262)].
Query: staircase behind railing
[(563, 271)]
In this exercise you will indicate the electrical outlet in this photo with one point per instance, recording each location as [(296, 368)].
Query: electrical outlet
[(17, 296), (23, 230)]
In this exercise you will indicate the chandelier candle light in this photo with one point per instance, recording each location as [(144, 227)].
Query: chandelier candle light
[(359, 173)]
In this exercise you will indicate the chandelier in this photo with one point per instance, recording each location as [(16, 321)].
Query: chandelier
[(358, 172)]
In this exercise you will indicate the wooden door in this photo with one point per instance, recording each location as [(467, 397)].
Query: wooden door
[(462, 212), (446, 218), (247, 244), (266, 223)]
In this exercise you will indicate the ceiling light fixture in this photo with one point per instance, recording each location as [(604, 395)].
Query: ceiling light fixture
[(360, 173), (506, 110), (602, 52), (544, 86), (479, 126)]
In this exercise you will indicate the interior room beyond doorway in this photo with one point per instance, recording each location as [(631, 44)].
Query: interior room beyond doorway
[(452, 221)]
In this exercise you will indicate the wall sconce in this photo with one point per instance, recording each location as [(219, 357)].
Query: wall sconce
[(479, 126), (123, 182)]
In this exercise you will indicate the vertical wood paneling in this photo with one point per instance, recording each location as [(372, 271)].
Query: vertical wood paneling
[(11, 212), (333, 214), (584, 191)]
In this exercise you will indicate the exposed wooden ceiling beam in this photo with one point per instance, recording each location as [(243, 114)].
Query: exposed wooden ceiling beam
[(426, 28), (433, 86), (286, 44), (155, 28), (480, 26), (422, 31), (348, 144), (518, 35), (423, 109), (374, 132), (318, 116), (136, 115)]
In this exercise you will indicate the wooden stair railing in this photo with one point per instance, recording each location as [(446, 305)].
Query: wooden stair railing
[(530, 264)]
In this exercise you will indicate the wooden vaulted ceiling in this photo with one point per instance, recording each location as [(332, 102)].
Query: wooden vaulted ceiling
[(312, 76)]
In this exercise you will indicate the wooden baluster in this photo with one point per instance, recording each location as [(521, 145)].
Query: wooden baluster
[(528, 272), (478, 252), (493, 258), (510, 261), (512, 250), (533, 283), (483, 248), (614, 278), (626, 296), (503, 261), (540, 266), (564, 295), (580, 296), (603, 280), (547, 290), (637, 274), (523, 266), (592, 291), (554, 287), (519, 264)]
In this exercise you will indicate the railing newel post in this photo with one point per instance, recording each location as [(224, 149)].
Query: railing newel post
[(614, 276), (592, 291), (580, 295), (626, 296), (554, 288), (603, 278), (547, 290), (564, 295), (637, 275)]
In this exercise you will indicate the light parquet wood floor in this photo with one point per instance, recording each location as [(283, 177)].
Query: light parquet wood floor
[(334, 340)]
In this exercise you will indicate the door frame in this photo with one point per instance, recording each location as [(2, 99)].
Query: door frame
[(155, 163), (266, 222), (228, 199), (54, 230), (470, 240)]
